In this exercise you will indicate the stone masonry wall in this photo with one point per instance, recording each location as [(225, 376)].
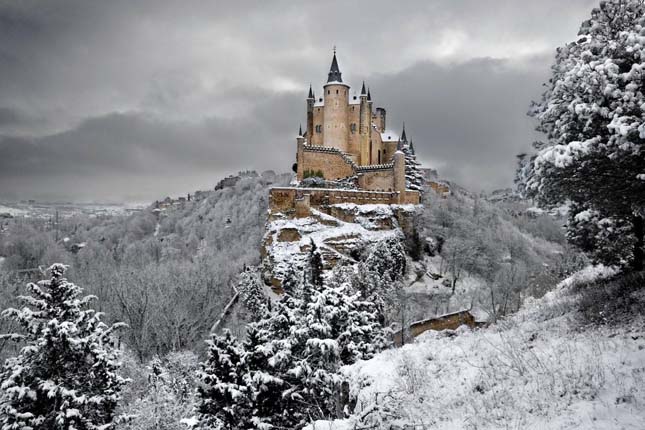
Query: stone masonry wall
[(377, 180), (331, 163)]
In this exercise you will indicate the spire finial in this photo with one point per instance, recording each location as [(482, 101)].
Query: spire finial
[(334, 71)]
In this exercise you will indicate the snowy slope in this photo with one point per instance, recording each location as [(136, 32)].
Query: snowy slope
[(538, 369)]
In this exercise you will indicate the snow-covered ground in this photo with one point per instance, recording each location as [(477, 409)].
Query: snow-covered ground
[(539, 369)]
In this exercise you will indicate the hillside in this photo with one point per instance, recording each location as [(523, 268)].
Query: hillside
[(560, 362), (167, 271)]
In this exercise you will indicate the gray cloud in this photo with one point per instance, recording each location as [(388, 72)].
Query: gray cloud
[(120, 99)]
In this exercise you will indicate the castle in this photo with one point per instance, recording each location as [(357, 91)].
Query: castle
[(347, 139)]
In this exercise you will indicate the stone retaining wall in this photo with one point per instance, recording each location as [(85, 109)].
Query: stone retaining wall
[(284, 199)]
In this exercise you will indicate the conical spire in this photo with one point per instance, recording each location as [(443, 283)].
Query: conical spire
[(363, 92), (403, 136), (300, 130), (334, 71), (369, 96), (411, 148), (311, 92), (399, 145)]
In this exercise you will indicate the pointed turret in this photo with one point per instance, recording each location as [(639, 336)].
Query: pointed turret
[(411, 148), (334, 71), (369, 96), (403, 136), (311, 93), (363, 92), (300, 130)]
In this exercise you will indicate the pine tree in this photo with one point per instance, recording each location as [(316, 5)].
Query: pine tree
[(315, 266), (65, 377), (592, 115), (387, 258), (224, 398), (414, 177), (291, 282), (251, 292)]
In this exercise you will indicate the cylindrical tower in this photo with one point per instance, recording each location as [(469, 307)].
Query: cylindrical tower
[(336, 133), (336, 96), (399, 175)]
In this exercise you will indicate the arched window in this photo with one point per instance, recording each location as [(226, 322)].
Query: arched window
[(336, 91)]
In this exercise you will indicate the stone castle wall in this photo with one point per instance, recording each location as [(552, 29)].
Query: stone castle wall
[(377, 179), (285, 199), (331, 162)]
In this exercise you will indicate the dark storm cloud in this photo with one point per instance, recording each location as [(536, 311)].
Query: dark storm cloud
[(141, 99), (467, 119)]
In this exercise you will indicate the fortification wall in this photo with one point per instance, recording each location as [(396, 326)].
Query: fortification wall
[(446, 322), (332, 163), (285, 199), (382, 180)]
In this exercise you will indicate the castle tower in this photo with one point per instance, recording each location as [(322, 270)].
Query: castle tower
[(336, 96), (311, 99), (399, 175), (365, 127)]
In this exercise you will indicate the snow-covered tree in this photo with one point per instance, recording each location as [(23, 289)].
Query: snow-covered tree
[(315, 265), (414, 178), (224, 398), (387, 258), (593, 114), (291, 282), (251, 292), (65, 376)]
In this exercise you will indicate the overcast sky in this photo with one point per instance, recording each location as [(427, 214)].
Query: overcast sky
[(136, 100)]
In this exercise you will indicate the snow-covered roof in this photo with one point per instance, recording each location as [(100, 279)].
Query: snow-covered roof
[(319, 102), (354, 100), (336, 83), (389, 136)]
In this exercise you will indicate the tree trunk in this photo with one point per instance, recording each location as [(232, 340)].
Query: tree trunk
[(639, 233)]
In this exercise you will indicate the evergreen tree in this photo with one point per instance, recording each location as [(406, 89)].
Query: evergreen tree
[(291, 282), (387, 258), (251, 292), (592, 115), (224, 398), (315, 266), (414, 177), (65, 377)]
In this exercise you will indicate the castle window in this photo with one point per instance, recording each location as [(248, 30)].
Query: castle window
[(328, 92), (336, 91), (379, 157), (353, 128)]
